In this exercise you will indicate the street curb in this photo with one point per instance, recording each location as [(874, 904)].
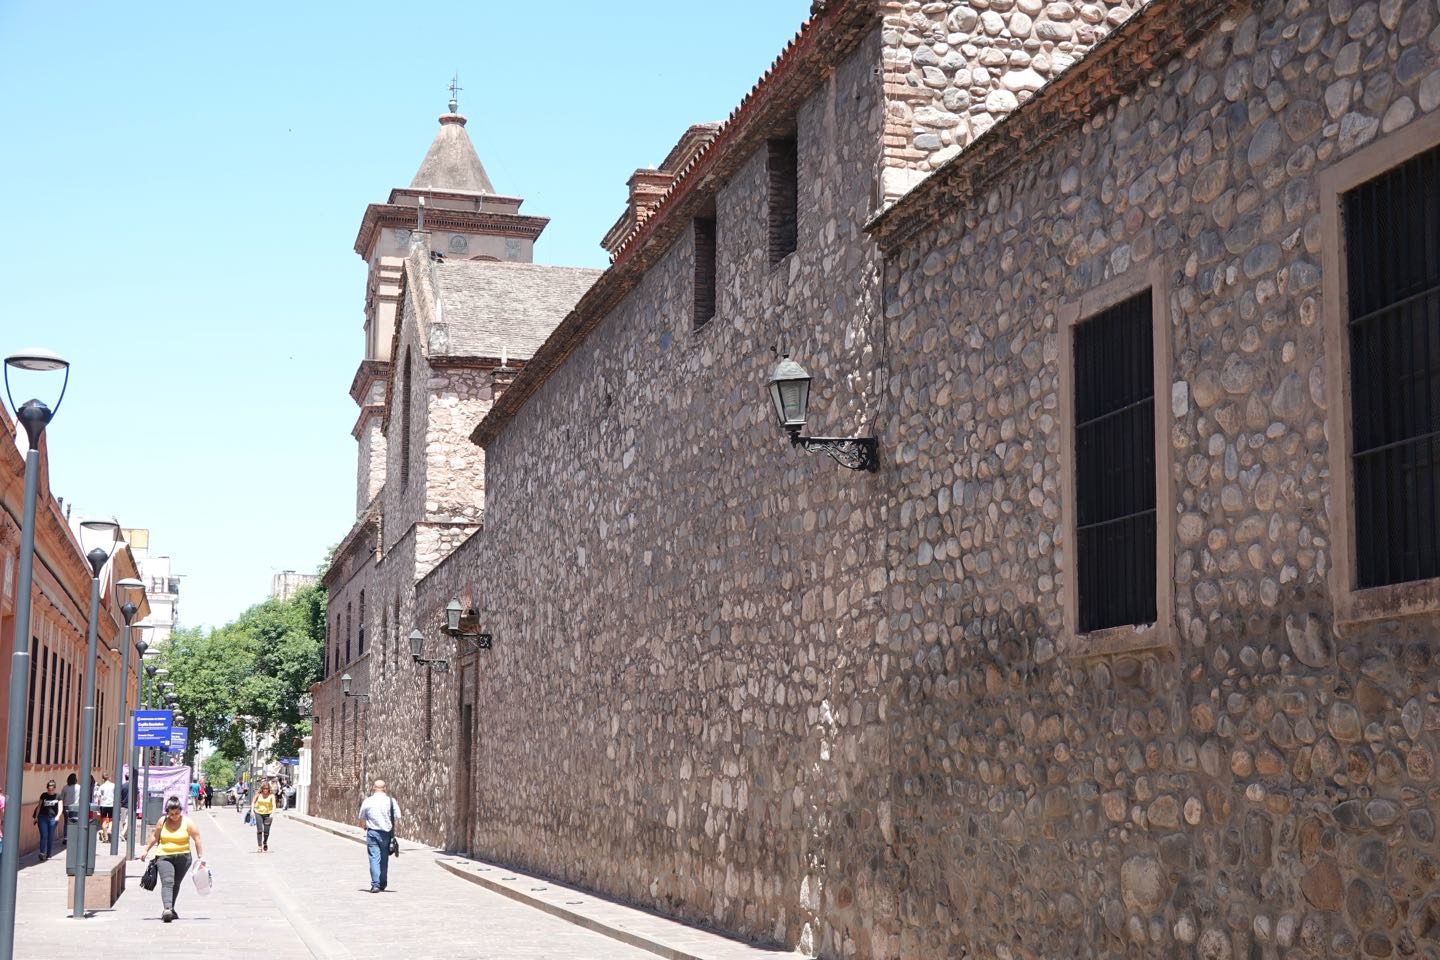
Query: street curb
[(570, 916), (455, 865)]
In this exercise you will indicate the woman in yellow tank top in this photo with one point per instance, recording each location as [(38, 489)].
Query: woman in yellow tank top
[(173, 835), (262, 807)]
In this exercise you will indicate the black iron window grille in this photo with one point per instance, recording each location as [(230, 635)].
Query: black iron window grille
[(1115, 466), (1392, 244), (704, 270), (783, 167)]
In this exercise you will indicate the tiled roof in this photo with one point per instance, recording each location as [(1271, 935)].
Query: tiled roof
[(835, 28), (489, 307)]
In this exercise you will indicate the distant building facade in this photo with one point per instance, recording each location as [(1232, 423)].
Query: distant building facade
[(287, 583), (1128, 646), (162, 586)]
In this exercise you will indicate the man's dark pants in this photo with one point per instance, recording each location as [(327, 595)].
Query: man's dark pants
[(377, 844)]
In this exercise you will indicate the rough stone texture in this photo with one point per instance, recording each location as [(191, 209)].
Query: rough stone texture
[(734, 683), (687, 752), (1042, 790), (951, 70)]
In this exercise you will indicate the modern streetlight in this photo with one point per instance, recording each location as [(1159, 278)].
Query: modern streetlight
[(97, 539), (134, 751), (34, 416), (152, 672), (128, 609), (790, 393)]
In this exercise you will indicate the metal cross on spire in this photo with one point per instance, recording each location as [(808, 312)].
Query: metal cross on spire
[(455, 89)]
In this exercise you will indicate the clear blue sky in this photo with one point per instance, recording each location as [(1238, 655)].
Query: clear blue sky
[(184, 183)]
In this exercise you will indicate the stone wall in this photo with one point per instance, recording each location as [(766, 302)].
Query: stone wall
[(1262, 785), (677, 710), (951, 70)]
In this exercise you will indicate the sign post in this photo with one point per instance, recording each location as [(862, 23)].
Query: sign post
[(152, 728)]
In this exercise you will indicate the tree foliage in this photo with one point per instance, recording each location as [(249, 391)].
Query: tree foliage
[(219, 771), (250, 675)]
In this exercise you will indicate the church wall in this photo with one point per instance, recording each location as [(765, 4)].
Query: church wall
[(1256, 778), (676, 710), (951, 70)]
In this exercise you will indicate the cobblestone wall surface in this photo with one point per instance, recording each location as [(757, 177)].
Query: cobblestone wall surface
[(659, 710), (1266, 788), (952, 69)]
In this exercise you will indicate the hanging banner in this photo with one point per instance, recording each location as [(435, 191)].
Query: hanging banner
[(152, 728), (179, 739)]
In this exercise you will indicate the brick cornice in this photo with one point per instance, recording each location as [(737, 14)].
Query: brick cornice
[(378, 216), (367, 371), (1156, 34), (768, 110)]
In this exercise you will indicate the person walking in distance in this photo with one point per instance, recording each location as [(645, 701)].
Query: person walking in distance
[(104, 799), (378, 815), (47, 811), (70, 797), (173, 835), (262, 807)]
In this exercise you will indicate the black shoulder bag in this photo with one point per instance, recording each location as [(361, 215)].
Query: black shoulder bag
[(152, 875), (394, 842)]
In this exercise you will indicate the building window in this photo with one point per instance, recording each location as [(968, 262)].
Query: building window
[(704, 270), (405, 424), (1392, 260), (349, 630), (361, 633), (1115, 492), (36, 655), (783, 168)]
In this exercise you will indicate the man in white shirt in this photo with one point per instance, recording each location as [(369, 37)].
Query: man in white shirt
[(104, 799), (378, 815)]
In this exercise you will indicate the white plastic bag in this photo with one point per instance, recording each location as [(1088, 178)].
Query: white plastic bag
[(204, 882)]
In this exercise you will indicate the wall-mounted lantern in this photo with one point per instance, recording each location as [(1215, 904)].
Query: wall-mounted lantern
[(417, 646), (790, 392), (460, 623), (345, 688)]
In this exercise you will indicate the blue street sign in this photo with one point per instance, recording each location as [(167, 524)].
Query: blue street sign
[(152, 728), (179, 738), (290, 761)]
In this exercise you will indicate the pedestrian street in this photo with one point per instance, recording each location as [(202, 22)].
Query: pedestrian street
[(308, 898)]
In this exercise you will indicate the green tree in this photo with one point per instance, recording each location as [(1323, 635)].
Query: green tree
[(219, 771), (250, 675)]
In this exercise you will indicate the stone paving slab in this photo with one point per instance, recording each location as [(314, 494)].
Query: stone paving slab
[(657, 935), (306, 899)]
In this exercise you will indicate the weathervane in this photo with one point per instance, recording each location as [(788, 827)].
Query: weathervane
[(455, 89)]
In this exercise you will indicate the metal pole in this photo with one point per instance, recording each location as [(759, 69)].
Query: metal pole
[(115, 819), (87, 746), (145, 796), (19, 707), (134, 751)]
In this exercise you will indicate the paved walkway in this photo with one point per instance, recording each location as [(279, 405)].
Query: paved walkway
[(308, 899)]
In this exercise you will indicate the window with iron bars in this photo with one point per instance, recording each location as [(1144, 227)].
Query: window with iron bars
[(1392, 259), (1115, 492)]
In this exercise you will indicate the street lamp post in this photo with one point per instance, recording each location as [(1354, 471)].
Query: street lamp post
[(128, 609), (99, 537), (33, 415), (133, 749)]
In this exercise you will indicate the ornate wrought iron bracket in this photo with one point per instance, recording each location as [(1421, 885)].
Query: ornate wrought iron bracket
[(438, 665), (853, 453)]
